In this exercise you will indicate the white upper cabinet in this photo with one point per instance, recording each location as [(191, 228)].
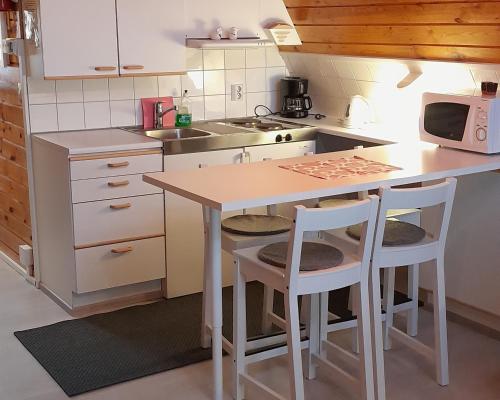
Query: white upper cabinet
[(79, 38), (151, 36)]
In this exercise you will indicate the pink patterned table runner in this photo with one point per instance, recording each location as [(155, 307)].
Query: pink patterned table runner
[(341, 168)]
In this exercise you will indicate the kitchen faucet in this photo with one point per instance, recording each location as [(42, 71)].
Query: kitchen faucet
[(160, 112)]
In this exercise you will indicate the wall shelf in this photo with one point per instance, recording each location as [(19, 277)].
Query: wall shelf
[(204, 43)]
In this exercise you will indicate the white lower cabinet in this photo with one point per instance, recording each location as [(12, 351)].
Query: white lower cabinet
[(100, 228), (184, 219)]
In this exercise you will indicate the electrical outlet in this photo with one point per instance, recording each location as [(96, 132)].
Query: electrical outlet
[(237, 92)]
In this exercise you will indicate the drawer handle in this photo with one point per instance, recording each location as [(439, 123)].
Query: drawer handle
[(133, 67), (120, 206), (118, 184), (122, 250), (104, 68), (118, 164)]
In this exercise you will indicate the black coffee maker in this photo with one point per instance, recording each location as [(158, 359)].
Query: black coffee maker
[(294, 100)]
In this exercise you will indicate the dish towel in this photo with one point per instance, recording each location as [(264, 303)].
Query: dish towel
[(148, 106)]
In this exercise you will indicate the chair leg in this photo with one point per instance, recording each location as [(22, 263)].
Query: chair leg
[(239, 331), (354, 307), (304, 309), (267, 308), (440, 330), (412, 317), (378, 351), (313, 327), (389, 281), (365, 339), (323, 322), (294, 347), (206, 302)]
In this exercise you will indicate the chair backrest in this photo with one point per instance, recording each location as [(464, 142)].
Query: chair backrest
[(321, 219), (441, 194)]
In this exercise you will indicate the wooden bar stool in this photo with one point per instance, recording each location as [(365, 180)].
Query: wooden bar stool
[(390, 255), (299, 267)]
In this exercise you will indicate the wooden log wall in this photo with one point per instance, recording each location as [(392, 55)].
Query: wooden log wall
[(449, 30), (15, 226)]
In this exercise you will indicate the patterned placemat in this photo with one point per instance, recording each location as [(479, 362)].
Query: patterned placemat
[(344, 167)]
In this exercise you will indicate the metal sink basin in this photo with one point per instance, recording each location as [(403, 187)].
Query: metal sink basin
[(176, 133)]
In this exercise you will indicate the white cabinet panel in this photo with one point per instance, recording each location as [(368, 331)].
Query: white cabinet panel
[(115, 166), (110, 188), (151, 37), (184, 227), (281, 150), (79, 38), (118, 219), (104, 267)]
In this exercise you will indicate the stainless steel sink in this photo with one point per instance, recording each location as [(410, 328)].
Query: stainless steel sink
[(175, 133)]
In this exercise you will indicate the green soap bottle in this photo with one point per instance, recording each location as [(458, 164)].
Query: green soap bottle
[(184, 117)]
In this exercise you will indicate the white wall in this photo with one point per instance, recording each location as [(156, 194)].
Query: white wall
[(100, 103), (334, 79)]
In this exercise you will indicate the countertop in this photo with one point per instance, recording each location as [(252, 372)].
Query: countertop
[(235, 187), (98, 141), (370, 132)]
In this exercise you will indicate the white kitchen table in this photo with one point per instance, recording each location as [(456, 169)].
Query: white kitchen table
[(240, 186)]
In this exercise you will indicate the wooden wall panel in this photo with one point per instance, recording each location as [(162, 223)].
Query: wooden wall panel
[(429, 29), (15, 223)]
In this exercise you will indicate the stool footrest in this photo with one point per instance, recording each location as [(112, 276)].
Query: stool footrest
[(262, 389), (346, 377), (341, 353), (416, 345)]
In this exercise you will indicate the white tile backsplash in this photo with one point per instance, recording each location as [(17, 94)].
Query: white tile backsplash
[(256, 80), (121, 88), (193, 83), (41, 91), (122, 113), (69, 91), (100, 103), (235, 59), (213, 59), (215, 82), (215, 107), (233, 77), (145, 87), (256, 58), (43, 118), (169, 85), (97, 114), (70, 116), (334, 79), (95, 90)]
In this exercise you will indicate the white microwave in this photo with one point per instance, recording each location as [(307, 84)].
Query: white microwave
[(462, 122)]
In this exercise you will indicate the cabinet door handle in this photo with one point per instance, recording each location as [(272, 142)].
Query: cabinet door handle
[(122, 250), (120, 206), (105, 68), (118, 164), (133, 67), (118, 184)]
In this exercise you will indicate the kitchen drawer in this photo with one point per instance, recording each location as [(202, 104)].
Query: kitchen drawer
[(105, 221), (110, 188), (104, 267), (116, 166)]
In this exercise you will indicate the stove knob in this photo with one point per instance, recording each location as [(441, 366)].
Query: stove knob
[(279, 138), (288, 137)]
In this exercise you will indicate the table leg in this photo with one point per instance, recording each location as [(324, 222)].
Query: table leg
[(216, 286)]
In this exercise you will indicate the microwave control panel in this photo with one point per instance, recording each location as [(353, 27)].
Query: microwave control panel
[(481, 129)]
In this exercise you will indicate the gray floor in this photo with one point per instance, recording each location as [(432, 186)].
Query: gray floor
[(474, 363)]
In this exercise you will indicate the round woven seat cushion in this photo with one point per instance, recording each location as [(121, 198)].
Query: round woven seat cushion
[(256, 225), (336, 203), (397, 233), (315, 256)]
